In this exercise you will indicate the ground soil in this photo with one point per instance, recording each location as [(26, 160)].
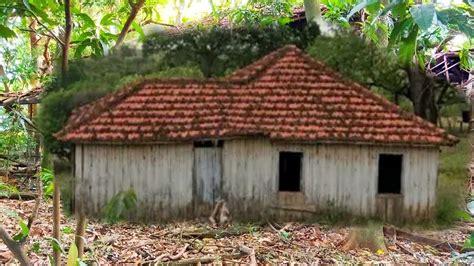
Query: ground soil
[(131, 243)]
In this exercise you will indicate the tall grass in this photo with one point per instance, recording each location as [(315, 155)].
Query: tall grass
[(452, 193)]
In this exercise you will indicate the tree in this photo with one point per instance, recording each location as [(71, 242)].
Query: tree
[(413, 31)]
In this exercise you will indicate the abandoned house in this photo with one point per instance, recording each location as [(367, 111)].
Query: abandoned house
[(284, 134)]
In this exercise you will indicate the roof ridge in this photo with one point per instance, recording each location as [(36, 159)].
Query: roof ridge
[(267, 60)]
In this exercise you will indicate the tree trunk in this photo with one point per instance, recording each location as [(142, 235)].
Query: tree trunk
[(56, 219), (80, 232), (67, 39), (422, 95), (312, 11), (133, 14)]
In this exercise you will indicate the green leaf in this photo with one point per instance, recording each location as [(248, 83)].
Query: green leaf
[(88, 21), (455, 19), (362, 4), (24, 232), (138, 29), (73, 255), (398, 29), (107, 20), (6, 32), (37, 11), (423, 15), (56, 245), (408, 46)]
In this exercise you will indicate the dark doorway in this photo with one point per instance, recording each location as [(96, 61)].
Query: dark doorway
[(290, 171), (390, 173)]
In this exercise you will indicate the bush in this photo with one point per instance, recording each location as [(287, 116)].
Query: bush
[(90, 79), (452, 194), (218, 51)]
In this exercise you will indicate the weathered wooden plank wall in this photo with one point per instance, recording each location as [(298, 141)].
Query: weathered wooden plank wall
[(342, 177), (207, 178), (160, 175)]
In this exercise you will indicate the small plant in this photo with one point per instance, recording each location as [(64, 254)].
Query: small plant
[(6, 189), (67, 230), (469, 243), (36, 247), (47, 177), (118, 207), (24, 232)]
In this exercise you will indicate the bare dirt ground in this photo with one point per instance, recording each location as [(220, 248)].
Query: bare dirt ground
[(129, 243)]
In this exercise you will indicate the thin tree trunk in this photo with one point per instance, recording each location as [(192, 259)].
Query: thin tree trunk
[(56, 219), (313, 14), (133, 14), (80, 232), (67, 39), (14, 247), (312, 11)]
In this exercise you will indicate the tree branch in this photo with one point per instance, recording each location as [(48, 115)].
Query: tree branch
[(46, 28), (133, 14), (15, 247)]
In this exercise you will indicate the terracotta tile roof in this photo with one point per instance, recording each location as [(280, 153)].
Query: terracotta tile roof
[(284, 96)]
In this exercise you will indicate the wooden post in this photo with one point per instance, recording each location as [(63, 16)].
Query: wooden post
[(80, 232)]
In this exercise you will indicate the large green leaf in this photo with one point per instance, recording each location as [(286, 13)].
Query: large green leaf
[(88, 21), (362, 4), (456, 20), (6, 32), (423, 15), (38, 12), (398, 29), (108, 20), (138, 28), (408, 46), (73, 255)]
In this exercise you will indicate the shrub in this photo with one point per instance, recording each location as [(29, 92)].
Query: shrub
[(92, 78), (217, 50), (451, 194)]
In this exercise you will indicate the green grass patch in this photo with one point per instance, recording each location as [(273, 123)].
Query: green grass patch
[(452, 193)]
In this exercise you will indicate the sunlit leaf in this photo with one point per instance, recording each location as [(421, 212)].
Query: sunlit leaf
[(362, 4), (38, 12), (88, 21), (107, 20), (73, 255), (139, 30)]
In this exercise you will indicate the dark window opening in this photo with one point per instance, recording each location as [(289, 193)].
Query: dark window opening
[(390, 173), (290, 171), (208, 143)]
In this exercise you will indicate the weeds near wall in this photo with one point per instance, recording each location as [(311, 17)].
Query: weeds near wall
[(452, 193), (119, 206)]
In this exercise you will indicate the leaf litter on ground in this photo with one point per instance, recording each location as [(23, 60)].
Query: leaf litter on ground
[(181, 241)]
